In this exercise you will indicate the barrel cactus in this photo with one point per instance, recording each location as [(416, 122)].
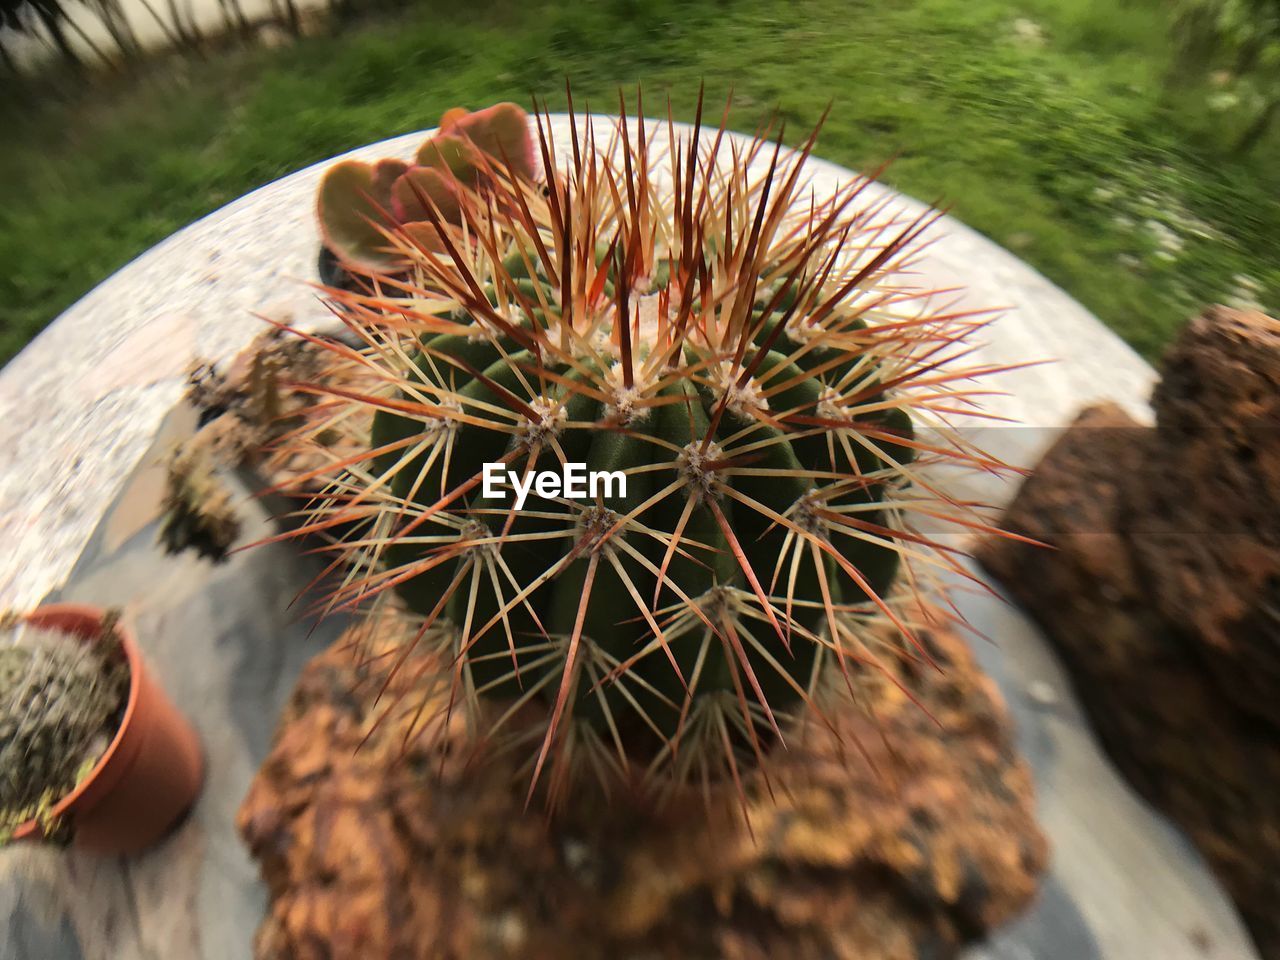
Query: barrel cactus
[(641, 448), (60, 701)]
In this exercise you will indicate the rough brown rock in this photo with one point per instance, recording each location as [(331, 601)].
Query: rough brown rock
[(1162, 592), (375, 854), (1207, 508)]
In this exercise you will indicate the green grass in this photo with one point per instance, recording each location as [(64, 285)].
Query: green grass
[(1069, 148)]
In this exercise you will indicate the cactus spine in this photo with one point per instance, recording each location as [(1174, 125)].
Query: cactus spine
[(744, 352)]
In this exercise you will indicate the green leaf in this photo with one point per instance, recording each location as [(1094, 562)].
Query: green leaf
[(450, 153), (502, 132), (354, 198), (413, 194)]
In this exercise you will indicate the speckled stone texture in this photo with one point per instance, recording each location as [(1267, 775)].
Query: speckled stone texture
[(1163, 593), (373, 854)]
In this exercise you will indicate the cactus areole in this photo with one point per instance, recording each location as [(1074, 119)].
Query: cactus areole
[(697, 320)]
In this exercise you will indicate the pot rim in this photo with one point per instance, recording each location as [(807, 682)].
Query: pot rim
[(55, 616)]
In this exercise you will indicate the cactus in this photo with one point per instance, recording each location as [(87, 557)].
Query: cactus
[(60, 698), (358, 202), (200, 512), (745, 354)]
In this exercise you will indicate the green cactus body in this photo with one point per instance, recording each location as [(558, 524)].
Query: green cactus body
[(707, 572), (59, 698), (738, 353)]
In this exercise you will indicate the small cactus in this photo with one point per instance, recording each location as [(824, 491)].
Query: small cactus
[(200, 510), (60, 701), (359, 203), (746, 354)]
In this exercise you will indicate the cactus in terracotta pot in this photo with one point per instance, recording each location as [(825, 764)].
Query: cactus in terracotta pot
[(61, 701), (94, 753), (647, 452)]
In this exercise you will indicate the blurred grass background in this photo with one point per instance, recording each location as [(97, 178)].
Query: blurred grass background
[(1062, 129)]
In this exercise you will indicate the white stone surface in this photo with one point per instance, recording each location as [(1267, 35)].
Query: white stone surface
[(82, 402)]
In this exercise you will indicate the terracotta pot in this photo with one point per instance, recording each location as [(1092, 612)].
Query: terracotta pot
[(151, 773)]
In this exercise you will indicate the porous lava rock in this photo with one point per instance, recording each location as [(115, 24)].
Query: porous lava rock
[(375, 851), (1162, 592)]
